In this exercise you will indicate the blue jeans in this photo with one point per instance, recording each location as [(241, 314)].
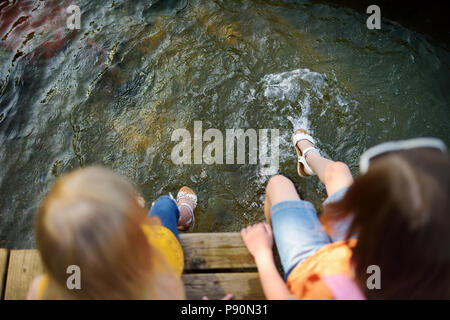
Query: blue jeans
[(298, 232), (166, 209)]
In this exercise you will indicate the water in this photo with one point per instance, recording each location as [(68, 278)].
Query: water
[(113, 93)]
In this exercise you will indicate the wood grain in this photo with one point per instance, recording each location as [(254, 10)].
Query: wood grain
[(218, 256), (215, 251), (24, 266), (243, 285)]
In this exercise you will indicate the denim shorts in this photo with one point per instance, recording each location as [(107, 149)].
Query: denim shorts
[(298, 232), (166, 209)]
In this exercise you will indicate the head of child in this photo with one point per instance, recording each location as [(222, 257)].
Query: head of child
[(401, 210), (92, 219)]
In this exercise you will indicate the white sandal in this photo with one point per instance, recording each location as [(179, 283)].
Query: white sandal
[(299, 135), (189, 194)]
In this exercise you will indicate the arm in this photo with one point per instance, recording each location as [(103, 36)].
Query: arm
[(272, 283), (258, 239)]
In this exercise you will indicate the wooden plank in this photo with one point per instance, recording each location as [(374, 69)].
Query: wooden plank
[(4, 255), (215, 251), (24, 266), (202, 251), (243, 285)]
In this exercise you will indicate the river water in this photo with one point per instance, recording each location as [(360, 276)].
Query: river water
[(113, 93)]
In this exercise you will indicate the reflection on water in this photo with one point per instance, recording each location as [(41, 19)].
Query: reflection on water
[(113, 93)]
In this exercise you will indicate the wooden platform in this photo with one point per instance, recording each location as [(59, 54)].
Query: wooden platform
[(215, 264)]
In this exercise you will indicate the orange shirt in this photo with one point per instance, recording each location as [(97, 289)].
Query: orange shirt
[(305, 280)]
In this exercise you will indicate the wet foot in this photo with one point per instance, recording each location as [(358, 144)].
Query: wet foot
[(303, 145), (186, 201)]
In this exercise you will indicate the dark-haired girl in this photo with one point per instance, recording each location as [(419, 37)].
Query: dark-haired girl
[(383, 235)]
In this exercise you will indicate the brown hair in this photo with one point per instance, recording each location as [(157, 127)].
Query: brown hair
[(401, 215), (91, 218)]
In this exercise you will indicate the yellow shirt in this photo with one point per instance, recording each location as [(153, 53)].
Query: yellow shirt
[(165, 241)]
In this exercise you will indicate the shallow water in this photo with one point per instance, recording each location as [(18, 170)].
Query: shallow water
[(113, 93)]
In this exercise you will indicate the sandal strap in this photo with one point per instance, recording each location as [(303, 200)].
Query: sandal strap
[(302, 136), (190, 196), (310, 149), (299, 136), (306, 167), (192, 218), (302, 160)]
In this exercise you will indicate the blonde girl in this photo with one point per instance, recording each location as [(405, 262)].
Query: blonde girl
[(92, 218)]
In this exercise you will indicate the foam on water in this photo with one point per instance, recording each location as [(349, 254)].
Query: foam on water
[(299, 93), (296, 87), (287, 85), (292, 91)]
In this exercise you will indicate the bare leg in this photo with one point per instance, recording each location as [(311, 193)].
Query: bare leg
[(279, 188), (334, 175)]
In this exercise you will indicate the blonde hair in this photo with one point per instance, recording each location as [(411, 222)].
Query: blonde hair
[(91, 218)]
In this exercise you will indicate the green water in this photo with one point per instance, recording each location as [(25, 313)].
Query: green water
[(136, 71)]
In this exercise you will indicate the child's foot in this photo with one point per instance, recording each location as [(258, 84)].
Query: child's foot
[(187, 202), (304, 144)]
